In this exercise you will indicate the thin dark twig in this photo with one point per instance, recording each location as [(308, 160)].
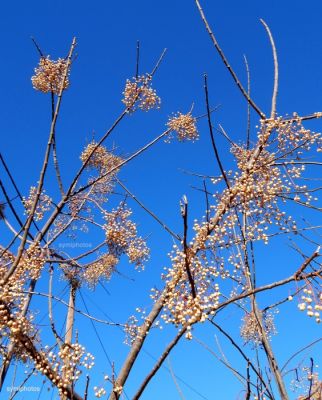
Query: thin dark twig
[(37, 47), (311, 378), (137, 59), (154, 216), (212, 134), (232, 341), (86, 387), (226, 63), (248, 393), (5, 165), (300, 351), (184, 213), (157, 65)]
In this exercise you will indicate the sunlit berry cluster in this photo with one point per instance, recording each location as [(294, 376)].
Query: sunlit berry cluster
[(138, 93), (250, 329), (49, 75), (131, 330), (43, 204), (293, 138), (100, 269), (99, 392), (12, 326), (64, 367), (70, 358), (32, 261), (257, 192), (189, 302), (11, 293), (138, 252), (311, 303), (307, 380), (121, 236), (105, 162), (184, 126)]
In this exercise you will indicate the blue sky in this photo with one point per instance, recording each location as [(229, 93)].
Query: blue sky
[(107, 33)]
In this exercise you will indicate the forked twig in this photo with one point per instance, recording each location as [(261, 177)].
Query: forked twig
[(225, 61)]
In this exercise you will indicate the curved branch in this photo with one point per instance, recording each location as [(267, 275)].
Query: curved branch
[(275, 89)]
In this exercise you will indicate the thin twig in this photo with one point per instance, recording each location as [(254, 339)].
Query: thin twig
[(153, 215), (212, 134), (248, 105), (186, 250), (159, 363), (226, 63), (175, 381), (275, 89)]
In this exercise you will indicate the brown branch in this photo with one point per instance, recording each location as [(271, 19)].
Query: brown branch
[(158, 364), (299, 272), (43, 170), (137, 345), (50, 308)]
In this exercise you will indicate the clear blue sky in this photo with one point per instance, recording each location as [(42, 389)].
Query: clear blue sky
[(106, 33)]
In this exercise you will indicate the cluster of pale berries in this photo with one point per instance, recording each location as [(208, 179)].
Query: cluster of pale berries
[(98, 157), (121, 236), (186, 305), (184, 125), (75, 205), (260, 186), (132, 326), (50, 76), (19, 329), (43, 204), (309, 382), (11, 294), (138, 93), (311, 303), (131, 330), (293, 137), (65, 365), (250, 330), (256, 190), (100, 269), (32, 261), (12, 324), (99, 392)]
